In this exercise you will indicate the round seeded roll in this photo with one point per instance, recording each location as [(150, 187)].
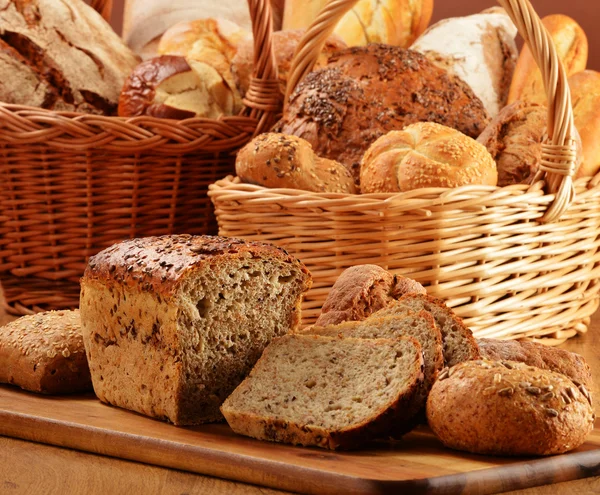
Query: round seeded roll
[(508, 408)]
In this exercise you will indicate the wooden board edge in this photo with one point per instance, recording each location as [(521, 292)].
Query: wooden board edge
[(282, 476)]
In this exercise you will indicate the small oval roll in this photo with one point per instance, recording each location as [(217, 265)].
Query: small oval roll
[(508, 408), (585, 93), (572, 48), (425, 155), (278, 160)]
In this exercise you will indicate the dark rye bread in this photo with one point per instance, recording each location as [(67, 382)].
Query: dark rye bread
[(419, 325), (327, 392), (44, 353), (362, 290), (508, 408), (364, 92), (547, 358), (61, 55), (458, 341), (173, 324)]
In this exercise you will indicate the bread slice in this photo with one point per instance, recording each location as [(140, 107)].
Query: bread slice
[(44, 353), (458, 341), (419, 325), (541, 356), (327, 392), (173, 324)]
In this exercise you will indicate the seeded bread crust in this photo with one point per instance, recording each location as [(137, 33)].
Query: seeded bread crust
[(362, 290), (278, 426), (459, 343), (44, 353), (547, 358), (173, 324), (508, 408)]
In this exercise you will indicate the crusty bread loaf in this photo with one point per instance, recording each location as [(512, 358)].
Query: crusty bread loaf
[(277, 160), (173, 324), (479, 48), (362, 290), (61, 55), (44, 353), (458, 341), (393, 22), (284, 46), (572, 49), (425, 155), (327, 392), (541, 356), (585, 95), (170, 87), (420, 325), (508, 408), (514, 140), (364, 92)]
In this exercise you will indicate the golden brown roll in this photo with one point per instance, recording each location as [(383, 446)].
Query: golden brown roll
[(365, 92), (585, 94), (277, 160), (284, 45), (425, 155), (508, 408), (394, 22), (572, 47)]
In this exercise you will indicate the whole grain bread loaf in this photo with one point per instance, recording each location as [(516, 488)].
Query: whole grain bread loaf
[(419, 325), (44, 353), (61, 55), (508, 408), (458, 341), (327, 392), (173, 324), (541, 356), (364, 92), (362, 290)]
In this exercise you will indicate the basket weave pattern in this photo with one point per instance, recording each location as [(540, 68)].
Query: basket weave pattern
[(73, 184), (517, 261)]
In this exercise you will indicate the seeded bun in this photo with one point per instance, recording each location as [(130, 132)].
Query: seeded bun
[(508, 408), (425, 155), (44, 353)]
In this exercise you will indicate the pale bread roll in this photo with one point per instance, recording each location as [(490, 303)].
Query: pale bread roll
[(425, 155), (572, 47), (278, 160), (480, 49), (585, 94), (394, 22)]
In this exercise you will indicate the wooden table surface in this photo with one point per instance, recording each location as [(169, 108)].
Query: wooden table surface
[(31, 468)]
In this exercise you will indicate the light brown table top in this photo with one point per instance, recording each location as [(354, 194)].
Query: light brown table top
[(31, 468)]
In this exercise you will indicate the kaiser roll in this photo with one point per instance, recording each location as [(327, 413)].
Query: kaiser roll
[(364, 92), (425, 155)]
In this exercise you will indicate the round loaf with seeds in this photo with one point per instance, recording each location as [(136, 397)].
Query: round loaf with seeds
[(278, 160), (422, 155), (44, 353), (508, 408)]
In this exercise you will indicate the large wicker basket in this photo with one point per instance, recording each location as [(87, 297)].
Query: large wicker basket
[(73, 184), (517, 261)]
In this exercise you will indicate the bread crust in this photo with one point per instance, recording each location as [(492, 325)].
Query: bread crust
[(508, 408), (361, 291), (278, 430), (45, 353), (364, 92), (541, 356), (277, 160), (425, 155)]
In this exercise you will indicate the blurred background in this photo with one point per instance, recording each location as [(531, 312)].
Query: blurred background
[(585, 12)]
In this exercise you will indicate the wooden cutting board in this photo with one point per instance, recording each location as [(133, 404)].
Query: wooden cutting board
[(417, 464)]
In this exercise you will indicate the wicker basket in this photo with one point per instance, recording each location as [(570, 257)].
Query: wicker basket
[(514, 262), (73, 184)]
